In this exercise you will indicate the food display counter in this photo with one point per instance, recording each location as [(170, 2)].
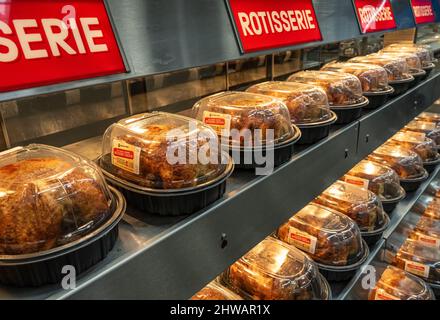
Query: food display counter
[(185, 225)]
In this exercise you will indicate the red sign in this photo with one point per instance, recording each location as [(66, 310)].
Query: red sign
[(374, 15), (423, 11), (269, 24), (51, 41)]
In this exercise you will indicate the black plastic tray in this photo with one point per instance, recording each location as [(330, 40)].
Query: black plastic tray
[(418, 75), (349, 113), (390, 204), (372, 237), (37, 269), (413, 184), (431, 165), (401, 86), (428, 70), (171, 202), (311, 133), (343, 273), (282, 153), (378, 99)]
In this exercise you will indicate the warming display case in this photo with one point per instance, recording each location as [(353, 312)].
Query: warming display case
[(103, 160)]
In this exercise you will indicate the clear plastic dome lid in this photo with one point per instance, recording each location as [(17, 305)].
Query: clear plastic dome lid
[(373, 78), (412, 59), (163, 151), (233, 114), (328, 236), (433, 209), (417, 142), (397, 68), (378, 178), (427, 231), (358, 203), (306, 103), (419, 259), (429, 128), (274, 270), (341, 88), (429, 117), (406, 163), (48, 197), (396, 284), (423, 52), (215, 291)]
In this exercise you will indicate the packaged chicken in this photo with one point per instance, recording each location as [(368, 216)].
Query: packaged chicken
[(52, 201), (429, 117), (247, 121), (418, 143), (396, 284), (378, 178), (419, 259), (413, 61), (430, 129), (274, 270), (360, 204), (215, 291), (407, 164), (374, 80), (433, 208), (427, 231), (308, 106), (332, 239), (344, 91), (425, 55), (154, 157)]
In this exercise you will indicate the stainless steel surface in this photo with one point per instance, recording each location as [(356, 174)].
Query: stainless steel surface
[(188, 34)]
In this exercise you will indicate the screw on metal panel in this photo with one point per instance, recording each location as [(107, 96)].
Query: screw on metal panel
[(224, 241), (367, 138), (346, 153)]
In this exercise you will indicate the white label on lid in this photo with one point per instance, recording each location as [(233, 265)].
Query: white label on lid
[(302, 240), (220, 122), (417, 268), (363, 183), (126, 156), (381, 294), (428, 240)]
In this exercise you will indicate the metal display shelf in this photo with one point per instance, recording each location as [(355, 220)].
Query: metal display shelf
[(172, 258), (194, 33)]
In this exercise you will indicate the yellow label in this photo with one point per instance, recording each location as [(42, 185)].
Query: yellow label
[(125, 156), (220, 122), (381, 294), (302, 240), (417, 268)]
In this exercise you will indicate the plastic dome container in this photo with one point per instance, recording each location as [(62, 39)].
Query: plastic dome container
[(396, 284), (332, 239), (378, 178), (307, 104), (149, 157), (433, 209), (407, 164), (344, 92), (431, 129), (421, 260), (427, 231), (418, 143), (374, 80), (360, 204), (274, 270), (397, 68), (215, 291), (429, 117), (247, 122), (425, 55), (55, 207), (413, 61)]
